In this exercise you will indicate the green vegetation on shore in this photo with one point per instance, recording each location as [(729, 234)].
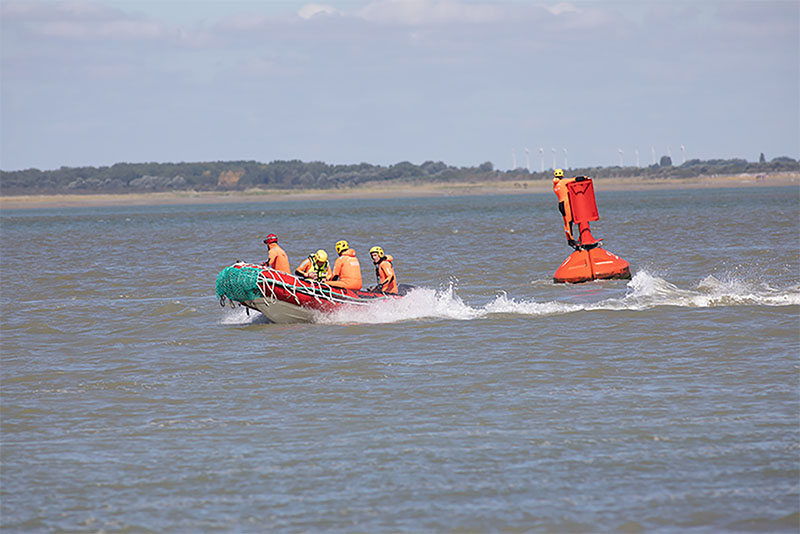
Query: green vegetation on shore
[(295, 174)]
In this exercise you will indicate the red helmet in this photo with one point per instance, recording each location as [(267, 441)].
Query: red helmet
[(271, 238)]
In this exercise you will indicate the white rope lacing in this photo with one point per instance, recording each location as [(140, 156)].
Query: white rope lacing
[(319, 291)]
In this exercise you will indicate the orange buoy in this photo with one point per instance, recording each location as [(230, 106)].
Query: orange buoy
[(585, 265), (589, 261)]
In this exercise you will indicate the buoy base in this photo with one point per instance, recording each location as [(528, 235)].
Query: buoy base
[(585, 265)]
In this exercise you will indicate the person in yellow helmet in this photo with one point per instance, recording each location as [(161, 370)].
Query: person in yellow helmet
[(560, 189), (384, 271), (315, 266), (346, 271), (277, 259)]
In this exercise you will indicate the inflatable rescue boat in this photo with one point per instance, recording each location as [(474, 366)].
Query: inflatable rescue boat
[(284, 298)]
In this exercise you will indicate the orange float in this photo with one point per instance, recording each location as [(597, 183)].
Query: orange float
[(589, 261), (585, 265)]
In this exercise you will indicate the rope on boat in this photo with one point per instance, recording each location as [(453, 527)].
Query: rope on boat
[(312, 288)]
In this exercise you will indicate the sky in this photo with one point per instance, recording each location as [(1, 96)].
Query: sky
[(516, 83)]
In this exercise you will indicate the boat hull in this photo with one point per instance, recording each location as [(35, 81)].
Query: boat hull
[(281, 312)]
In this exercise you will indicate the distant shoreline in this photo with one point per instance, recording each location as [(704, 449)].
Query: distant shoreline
[(384, 190)]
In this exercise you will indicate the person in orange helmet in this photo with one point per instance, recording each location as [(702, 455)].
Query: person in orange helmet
[(560, 189), (315, 266), (277, 259), (384, 271), (346, 271)]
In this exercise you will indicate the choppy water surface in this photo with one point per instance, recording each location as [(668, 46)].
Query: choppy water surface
[(490, 399)]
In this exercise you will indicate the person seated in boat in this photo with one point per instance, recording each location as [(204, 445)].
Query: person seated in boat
[(346, 271), (560, 189), (384, 271), (277, 259), (315, 266)]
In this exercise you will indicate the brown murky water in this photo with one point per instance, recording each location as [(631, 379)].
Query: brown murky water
[(490, 399)]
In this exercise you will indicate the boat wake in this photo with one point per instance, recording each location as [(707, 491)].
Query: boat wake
[(242, 316), (643, 292)]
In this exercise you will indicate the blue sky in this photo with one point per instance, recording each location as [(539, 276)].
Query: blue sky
[(385, 81)]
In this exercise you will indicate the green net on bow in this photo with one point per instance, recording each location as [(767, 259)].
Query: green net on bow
[(238, 283)]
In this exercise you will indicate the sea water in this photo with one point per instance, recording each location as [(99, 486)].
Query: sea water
[(490, 399)]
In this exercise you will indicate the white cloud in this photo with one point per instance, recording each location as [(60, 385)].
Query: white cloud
[(54, 10), (561, 8), (110, 29), (417, 12), (78, 21), (311, 10), (244, 22)]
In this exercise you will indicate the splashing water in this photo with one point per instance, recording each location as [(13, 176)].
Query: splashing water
[(242, 316), (420, 303), (648, 291), (744, 292), (643, 292)]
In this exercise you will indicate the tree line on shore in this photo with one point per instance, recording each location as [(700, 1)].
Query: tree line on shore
[(295, 174)]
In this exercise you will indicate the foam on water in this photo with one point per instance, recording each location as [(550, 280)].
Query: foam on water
[(644, 291), (419, 303), (647, 291), (241, 316), (744, 292)]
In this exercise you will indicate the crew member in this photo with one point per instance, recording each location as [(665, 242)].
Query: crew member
[(384, 271), (277, 259), (315, 266), (560, 189), (346, 271)]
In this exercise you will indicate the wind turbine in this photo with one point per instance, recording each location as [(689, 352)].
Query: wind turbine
[(541, 153), (513, 159), (683, 153), (554, 158), (620, 156), (528, 159), (566, 164), (637, 158), (653, 150)]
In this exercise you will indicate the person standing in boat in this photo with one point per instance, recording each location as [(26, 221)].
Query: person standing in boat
[(346, 271), (315, 266), (384, 271), (560, 189), (277, 259)]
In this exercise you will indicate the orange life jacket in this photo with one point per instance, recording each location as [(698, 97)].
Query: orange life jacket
[(561, 191), (346, 271), (384, 271), (278, 259)]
